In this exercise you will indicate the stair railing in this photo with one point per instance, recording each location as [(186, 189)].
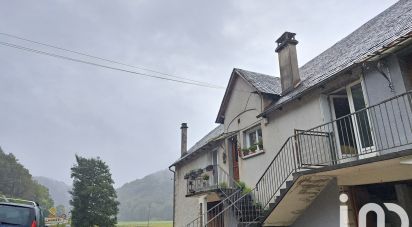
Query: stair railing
[(226, 185), (251, 204)]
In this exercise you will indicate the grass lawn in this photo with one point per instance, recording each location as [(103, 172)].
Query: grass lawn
[(144, 224)]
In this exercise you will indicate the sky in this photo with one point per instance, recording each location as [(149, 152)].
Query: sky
[(52, 109)]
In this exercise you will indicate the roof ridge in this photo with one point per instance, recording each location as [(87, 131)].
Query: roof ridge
[(261, 74)]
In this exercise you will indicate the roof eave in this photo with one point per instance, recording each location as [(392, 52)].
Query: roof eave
[(212, 143), (220, 115)]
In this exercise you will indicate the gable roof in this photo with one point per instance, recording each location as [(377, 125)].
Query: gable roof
[(212, 136), (261, 82), (380, 32)]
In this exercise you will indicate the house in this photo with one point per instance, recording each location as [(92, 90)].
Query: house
[(335, 132)]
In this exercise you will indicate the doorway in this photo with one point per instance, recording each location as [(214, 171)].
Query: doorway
[(352, 125), (399, 193), (235, 157), (213, 218)]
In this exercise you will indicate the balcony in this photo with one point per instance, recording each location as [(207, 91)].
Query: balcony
[(209, 179)]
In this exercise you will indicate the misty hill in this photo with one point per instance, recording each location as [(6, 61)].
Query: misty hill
[(155, 190), (58, 190)]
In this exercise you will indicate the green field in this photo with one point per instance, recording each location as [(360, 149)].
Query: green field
[(144, 224)]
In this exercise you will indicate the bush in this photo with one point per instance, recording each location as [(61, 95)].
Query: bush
[(223, 185)]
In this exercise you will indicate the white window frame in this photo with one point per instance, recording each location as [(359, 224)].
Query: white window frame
[(348, 91), (246, 137)]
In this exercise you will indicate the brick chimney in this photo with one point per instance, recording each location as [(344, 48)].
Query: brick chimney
[(183, 149), (288, 61)]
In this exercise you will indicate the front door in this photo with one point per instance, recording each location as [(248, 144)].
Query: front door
[(235, 158), (354, 131)]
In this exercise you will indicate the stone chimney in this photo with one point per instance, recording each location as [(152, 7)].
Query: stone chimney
[(183, 149), (288, 61)]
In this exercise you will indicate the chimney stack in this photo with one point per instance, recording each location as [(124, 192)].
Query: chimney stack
[(183, 148), (288, 61)]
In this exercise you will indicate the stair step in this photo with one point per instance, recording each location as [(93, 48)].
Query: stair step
[(249, 224), (289, 183)]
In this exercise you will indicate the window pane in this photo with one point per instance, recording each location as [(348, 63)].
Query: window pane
[(362, 119), (252, 137), (15, 215), (358, 99)]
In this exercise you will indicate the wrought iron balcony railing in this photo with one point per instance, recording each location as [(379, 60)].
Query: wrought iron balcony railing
[(376, 130), (210, 178)]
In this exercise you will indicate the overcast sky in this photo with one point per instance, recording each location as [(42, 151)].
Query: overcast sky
[(52, 109)]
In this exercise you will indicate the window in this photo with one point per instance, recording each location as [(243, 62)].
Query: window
[(16, 215), (254, 137)]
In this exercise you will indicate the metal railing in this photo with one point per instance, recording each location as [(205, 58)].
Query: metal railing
[(379, 129), (210, 178), (221, 183)]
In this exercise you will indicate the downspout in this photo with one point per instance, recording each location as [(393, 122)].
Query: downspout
[(174, 194)]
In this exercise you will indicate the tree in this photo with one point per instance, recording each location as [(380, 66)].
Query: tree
[(17, 182), (94, 198)]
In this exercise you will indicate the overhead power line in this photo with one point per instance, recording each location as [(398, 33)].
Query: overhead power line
[(106, 66), (108, 60)]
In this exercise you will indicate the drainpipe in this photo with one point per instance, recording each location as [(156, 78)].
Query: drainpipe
[(174, 195)]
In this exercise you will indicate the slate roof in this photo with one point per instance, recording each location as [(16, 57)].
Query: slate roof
[(263, 83), (211, 136), (390, 25), (387, 27)]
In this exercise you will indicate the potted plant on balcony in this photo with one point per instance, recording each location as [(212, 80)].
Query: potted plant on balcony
[(205, 178), (260, 145), (223, 185), (199, 172), (187, 175), (253, 148), (245, 151), (209, 168)]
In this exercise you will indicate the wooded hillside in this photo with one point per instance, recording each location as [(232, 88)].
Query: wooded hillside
[(17, 182), (154, 192)]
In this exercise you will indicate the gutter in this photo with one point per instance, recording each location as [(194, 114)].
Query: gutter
[(174, 194)]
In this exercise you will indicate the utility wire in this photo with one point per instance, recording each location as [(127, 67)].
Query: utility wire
[(107, 60), (105, 66)]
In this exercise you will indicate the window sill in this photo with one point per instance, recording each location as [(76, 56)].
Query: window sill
[(253, 154)]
